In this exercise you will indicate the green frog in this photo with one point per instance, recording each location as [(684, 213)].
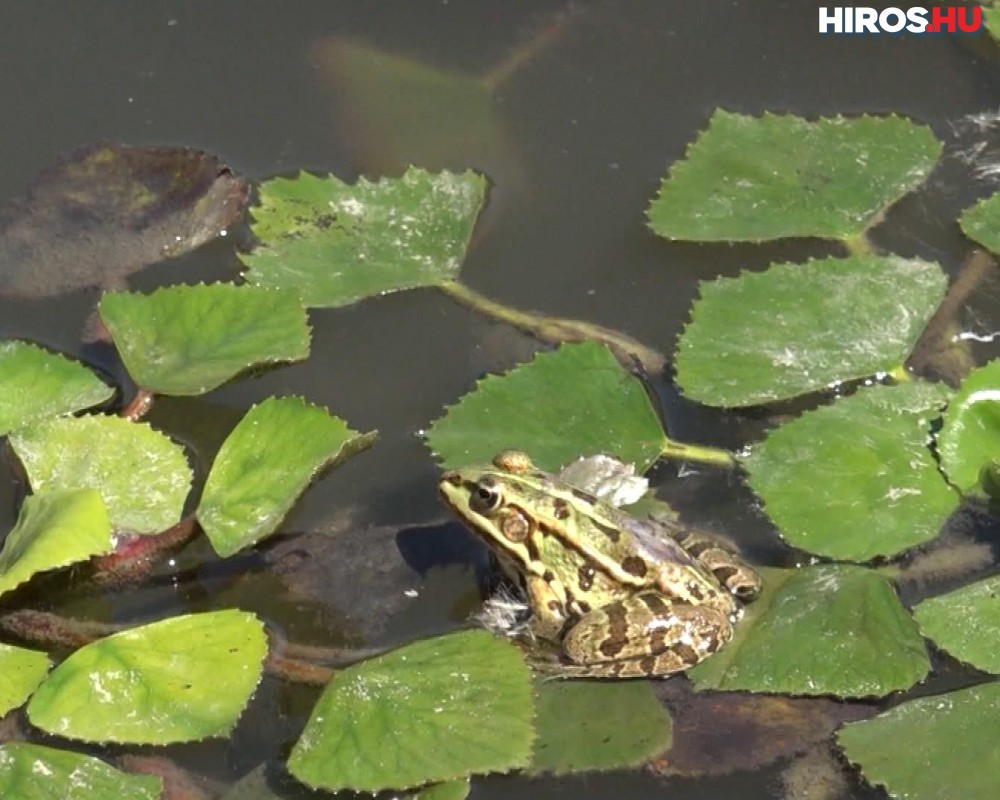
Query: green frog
[(617, 596)]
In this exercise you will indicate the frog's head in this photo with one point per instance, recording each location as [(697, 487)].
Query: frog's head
[(501, 503)]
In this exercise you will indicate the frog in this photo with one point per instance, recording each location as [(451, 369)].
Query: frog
[(616, 596)]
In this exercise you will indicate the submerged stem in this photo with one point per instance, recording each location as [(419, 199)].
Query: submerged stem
[(696, 452), (558, 330)]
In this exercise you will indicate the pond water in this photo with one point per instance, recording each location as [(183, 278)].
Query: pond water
[(575, 142)]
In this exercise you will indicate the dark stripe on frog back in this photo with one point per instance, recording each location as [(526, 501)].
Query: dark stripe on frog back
[(559, 534)]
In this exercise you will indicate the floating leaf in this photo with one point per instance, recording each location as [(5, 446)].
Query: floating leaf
[(796, 328), (436, 710), (966, 623), (991, 18), (750, 178), (54, 529), (187, 340), (831, 629), (335, 244), (449, 790), (142, 476), (22, 671), (970, 436), (981, 222), (856, 479), (934, 747), (574, 401), (38, 384), (106, 211), (631, 728), (265, 464), (177, 680), (32, 772)]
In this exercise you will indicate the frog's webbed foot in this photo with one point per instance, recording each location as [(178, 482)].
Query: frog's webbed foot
[(645, 634)]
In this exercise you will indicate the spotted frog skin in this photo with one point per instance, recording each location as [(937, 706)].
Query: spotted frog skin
[(618, 596)]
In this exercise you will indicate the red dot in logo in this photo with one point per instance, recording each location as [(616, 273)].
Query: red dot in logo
[(931, 29)]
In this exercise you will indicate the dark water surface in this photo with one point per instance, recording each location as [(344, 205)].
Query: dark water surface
[(587, 128)]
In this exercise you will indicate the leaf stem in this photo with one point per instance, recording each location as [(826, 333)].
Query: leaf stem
[(558, 330), (139, 406), (859, 245), (523, 54), (696, 452)]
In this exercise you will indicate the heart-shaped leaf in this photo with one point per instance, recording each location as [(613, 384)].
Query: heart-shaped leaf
[(575, 401), (856, 479), (932, 747), (831, 629), (797, 328), (970, 436), (33, 772), (22, 671), (433, 711), (54, 529), (265, 464), (141, 475), (770, 177), (38, 384), (177, 680), (187, 340), (335, 244)]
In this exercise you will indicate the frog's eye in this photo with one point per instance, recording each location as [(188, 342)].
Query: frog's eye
[(485, 498)]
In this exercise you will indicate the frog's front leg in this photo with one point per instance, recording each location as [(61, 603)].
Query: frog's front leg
[(646, 634)]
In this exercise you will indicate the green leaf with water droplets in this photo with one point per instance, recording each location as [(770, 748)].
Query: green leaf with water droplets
[(177, 680), (970, 436), (33, 772), (264, 465), (981, 222), (22, 671), (577, 400), (187, 340), (38, 384), (856, 479), (54, 529), (771, 177), (141, 475), (944, 746), (798, 328), (336, 243), (966, 623), (831, 629), (436, 710)]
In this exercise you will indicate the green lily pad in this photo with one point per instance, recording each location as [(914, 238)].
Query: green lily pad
[(981, 222), (771, 177), (32, 772), (436, 710), (991, 19), (177, 680), (797, 328), (831, 629), (966, 623), (575, 401), (38, 384), (970, 436), (54, 529), (187, 340), (22, 671), (142, 476), (856, 479), (933, 747), (265, 464), (336, 244), (631, 728)]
